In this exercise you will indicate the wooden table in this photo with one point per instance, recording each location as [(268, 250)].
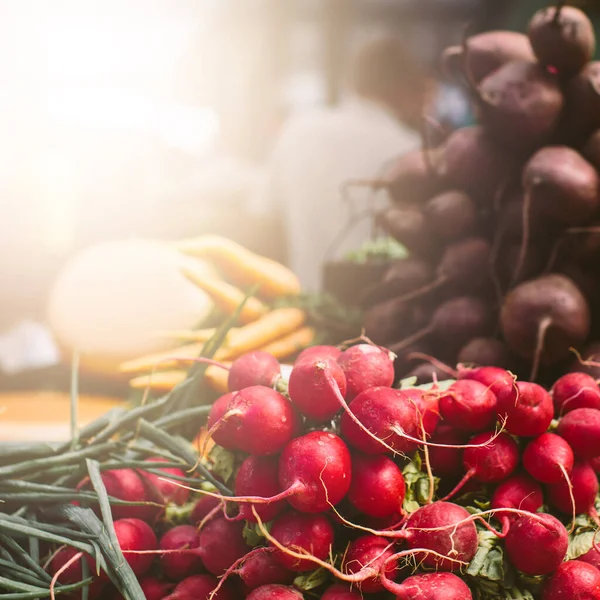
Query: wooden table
[(45, 416)]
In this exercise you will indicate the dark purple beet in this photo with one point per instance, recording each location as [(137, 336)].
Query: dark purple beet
[(386, 321), (470, 160), (520, 104), (582, 244), (485, 351), (590, 352), (487, 52), (410, 179), (510, 219), (425, 373), (591, 149), (562, 185), (408, 225), (507, 263), (451, 215), (544, 317), (582, 105), (562, 38)]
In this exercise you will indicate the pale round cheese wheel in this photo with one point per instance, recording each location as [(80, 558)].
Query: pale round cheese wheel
[(111, 300)]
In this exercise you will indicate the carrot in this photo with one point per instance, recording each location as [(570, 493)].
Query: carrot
[(289, 345), (225, 295), (163, 360), (161, 381), (244, 267), (190, 335)]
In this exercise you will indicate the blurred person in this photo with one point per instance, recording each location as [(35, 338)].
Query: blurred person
[(317, 152)]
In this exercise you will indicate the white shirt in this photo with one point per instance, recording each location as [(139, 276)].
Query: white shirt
[(317, 152)]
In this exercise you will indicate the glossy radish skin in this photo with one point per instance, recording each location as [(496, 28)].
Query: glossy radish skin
[(573, 579), (592, 557), (203, 508), (320, 352), (468, 405), (380, 410), (155, 589), (446, 463), (573, 391), (544, 455), (224, 435), (318, 466), (518, 491), (428, 407), (457, 543), (495, 460), (377, 488), (261, 568), (312, 532), (199, 587), (221, 544), (275, 592), (74, 573), (527, 535), (264, 420), (180, 565), (494, 378), (371, 551), (339, 591), (310, 388), (134, 534), (366, 366), (581, 429), (526, 409), (585, 488), (431, 586), (258, 476), (253, 368), (167, 491)]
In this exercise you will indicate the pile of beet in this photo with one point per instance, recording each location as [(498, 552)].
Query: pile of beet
[(502, 218), (334, 483)]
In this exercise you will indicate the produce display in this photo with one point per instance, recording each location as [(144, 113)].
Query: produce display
[(335, 482), (501, 218)]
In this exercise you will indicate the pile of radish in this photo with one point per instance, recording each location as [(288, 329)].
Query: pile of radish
[(348, 484), (501, 218)]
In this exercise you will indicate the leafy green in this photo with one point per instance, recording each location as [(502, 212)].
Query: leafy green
[(221, 463), (417, 485), (382, 248), (311, 580), (253, 535)]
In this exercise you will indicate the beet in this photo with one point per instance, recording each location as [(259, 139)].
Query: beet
[(410, 179), (387, 321), (544, 317), (486, 351), (486, 52), (582, 112), (519, 104), (408, 225), (563, 38), (562, 185), (451, 215)]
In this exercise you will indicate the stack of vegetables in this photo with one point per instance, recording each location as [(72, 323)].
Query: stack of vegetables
[(501, 218), (333, 483)]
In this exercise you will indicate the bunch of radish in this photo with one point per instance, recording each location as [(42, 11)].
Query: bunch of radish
[(501, 218), (324, 501)]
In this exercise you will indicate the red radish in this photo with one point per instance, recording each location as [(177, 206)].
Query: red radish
[(315, 469), (203, 508), (584, 489), (428, 407), (519, 491), (581, 429), (575, 580), (377, 488), (261, 568), (592, 557), (167, 491), (573, 391), (154, 589), (468, 405), (595, 464), (319, 352), (275, 592), (310, 389), (188, 561), (526, 409), (258, 420), (310, 532), (339, 591), (389, 414), (258, 476), (221, 544), (548, 458), (536, 544), (74, 572), (431, 586), (200, 587), (435, 527), (253, 368), (371, 552), (489, 463), (494, 378), (366, 366), (446, 462), (136, 535), (221, 431)]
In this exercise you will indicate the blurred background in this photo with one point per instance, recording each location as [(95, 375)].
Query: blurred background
[(157, 118)]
